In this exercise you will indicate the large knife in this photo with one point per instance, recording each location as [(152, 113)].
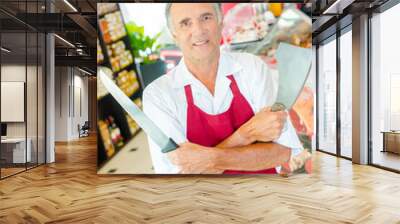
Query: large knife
[(163, 141), (294, 65)]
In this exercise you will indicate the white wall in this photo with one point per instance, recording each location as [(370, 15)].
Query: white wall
[(12, 73), (33, 127), (70, 83), (81, 82), (61, 103)]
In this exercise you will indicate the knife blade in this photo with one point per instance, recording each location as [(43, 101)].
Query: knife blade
[(294, 64), (163, 141)]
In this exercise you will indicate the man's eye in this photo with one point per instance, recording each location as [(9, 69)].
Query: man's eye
[(207, 17), (185, 24)]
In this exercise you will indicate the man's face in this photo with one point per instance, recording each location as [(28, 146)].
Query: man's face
[(196, 30)]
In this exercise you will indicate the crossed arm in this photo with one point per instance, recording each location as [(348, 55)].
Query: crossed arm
[(249, 148)]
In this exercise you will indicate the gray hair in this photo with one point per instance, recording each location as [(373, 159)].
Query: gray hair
[(217, 8)]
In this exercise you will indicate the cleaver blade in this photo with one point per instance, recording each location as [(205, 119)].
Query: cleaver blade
[(294, 65)]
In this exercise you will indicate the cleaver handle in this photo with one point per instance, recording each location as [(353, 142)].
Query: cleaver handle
[(278, 107)]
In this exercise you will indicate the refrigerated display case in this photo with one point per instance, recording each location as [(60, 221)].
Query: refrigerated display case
[(255, 29)]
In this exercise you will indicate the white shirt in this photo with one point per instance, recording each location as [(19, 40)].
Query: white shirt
[(164, 100)]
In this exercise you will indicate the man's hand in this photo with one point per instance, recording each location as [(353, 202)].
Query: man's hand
[(264, 126), (194, 159)]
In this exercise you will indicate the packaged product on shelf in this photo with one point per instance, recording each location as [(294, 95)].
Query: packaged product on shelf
[(115, 66), (112, 27), (133, 127), (105, 136), (117, 33), (117, 48), (125, 59), (115, 133), (138, 102), (128, 82), (132, 73), (100, 56), (119, 57), (107, 37), (116, 26), (101, 89), (103, 25), (103, 8)]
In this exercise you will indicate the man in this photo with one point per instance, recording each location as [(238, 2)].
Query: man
[(216, 105)]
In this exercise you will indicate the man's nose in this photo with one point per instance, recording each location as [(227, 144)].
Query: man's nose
[(198, 28)]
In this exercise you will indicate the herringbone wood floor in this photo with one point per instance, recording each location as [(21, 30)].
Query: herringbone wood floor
[(69, 191)]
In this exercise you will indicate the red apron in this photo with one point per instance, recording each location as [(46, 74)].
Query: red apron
[(209, 130)]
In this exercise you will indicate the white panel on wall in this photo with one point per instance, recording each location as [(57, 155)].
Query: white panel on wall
[(77, 102), (12, 101), (71, 103)]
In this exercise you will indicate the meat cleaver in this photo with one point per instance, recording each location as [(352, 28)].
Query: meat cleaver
[(163, 141), (294, 65)]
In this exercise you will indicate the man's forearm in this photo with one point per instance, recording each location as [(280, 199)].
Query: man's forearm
[(264, 126), (239, 138), (252, 157)]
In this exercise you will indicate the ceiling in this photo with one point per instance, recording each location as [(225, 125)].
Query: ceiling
[(76, 22), (330, 15), (73, 20)]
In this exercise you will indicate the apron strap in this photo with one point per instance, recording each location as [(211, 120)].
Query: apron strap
[(189, 95), (234, 86)]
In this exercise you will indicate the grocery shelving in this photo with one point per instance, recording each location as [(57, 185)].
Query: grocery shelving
[(115, 127)]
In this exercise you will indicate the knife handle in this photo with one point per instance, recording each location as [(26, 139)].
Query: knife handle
[(278, 107), (171, 146)]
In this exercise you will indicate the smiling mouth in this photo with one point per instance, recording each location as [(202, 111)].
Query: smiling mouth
[(200, 43)]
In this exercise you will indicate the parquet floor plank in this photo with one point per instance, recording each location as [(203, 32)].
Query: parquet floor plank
[(70, 191)]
